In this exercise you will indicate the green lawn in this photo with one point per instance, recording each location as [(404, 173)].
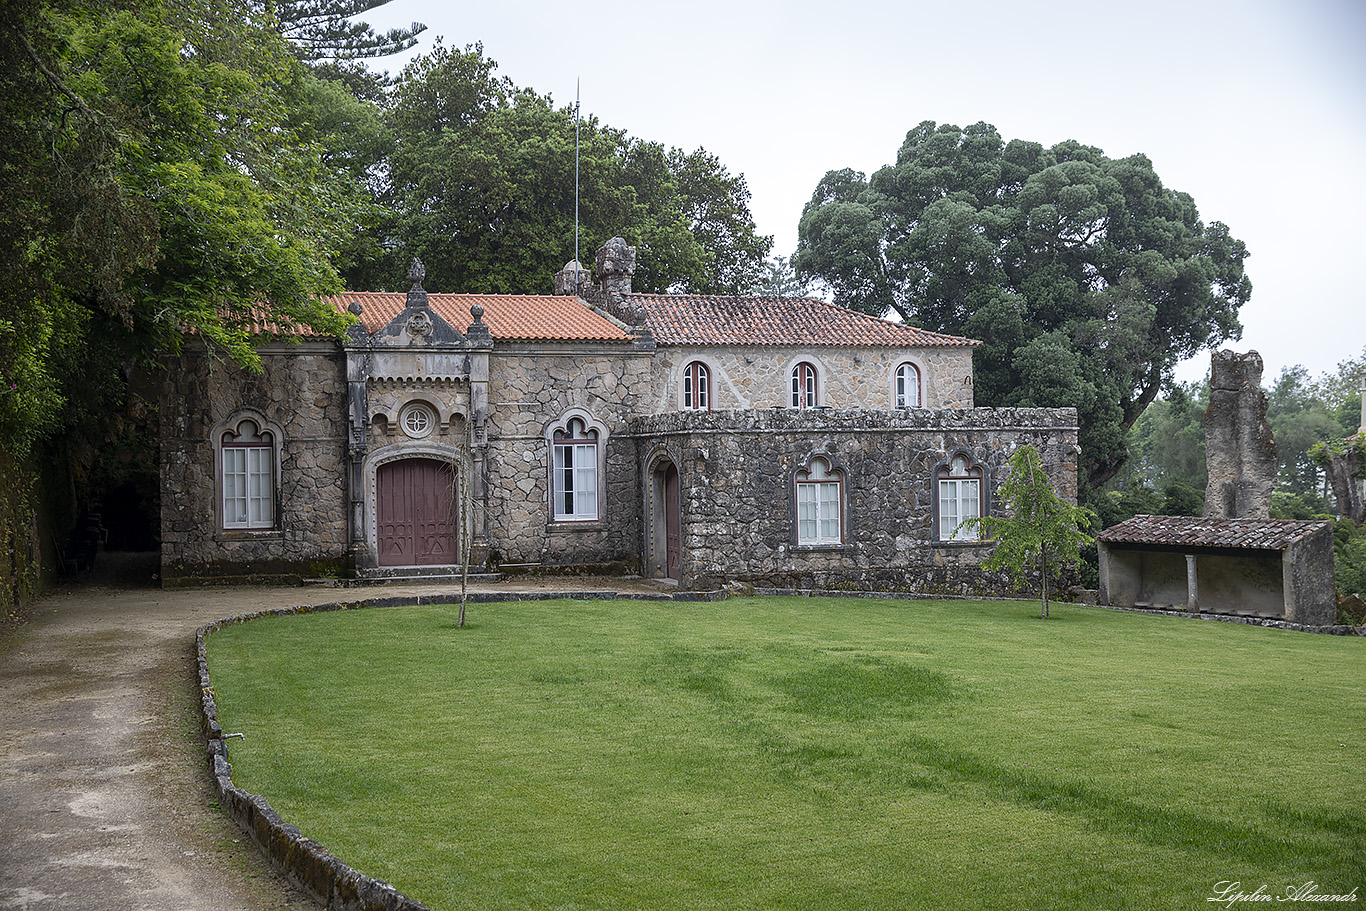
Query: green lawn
[(794, 753)]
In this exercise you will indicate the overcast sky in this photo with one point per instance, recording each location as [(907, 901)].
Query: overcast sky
[(1256, 108)]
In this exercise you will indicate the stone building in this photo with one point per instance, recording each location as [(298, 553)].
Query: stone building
[(694, 438), (1280, 569)]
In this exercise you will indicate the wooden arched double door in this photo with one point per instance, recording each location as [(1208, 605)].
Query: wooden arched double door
[(415, 513)]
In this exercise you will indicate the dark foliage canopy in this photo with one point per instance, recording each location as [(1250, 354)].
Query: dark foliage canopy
[(323, 30), (481, 186), (1086, 278)]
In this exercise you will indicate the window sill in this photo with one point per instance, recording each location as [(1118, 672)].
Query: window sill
[(573, 525), (822, 548), (962, 543), (251, 534)]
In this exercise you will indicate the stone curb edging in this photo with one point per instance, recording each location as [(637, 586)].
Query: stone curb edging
[(304, 861), (1337, 629), (1268, 622)]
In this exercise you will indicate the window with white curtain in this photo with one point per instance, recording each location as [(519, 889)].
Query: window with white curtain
[(819, 512), (575, 471), (247, 463)]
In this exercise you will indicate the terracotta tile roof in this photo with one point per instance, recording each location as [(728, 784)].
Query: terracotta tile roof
[(1196, 531), (544, 317), (696, 319)]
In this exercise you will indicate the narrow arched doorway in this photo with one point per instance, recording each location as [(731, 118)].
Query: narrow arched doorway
[(666, 529), (415, 513)]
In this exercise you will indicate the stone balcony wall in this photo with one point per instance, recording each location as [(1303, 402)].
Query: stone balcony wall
[(738, 491)]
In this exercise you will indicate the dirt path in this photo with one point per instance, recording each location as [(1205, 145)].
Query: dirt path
[(105, 802)]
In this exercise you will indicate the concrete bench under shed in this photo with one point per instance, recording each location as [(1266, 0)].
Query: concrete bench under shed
[(1279, 568)]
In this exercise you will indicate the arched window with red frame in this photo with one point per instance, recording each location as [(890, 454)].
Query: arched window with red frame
[(804, 385), (697, 387)]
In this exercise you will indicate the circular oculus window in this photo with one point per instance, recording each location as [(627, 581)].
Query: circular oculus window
[(417, 421)]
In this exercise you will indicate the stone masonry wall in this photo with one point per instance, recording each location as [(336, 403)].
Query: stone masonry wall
[(745, 377), (302, 391), (531, 388), (737, 490)]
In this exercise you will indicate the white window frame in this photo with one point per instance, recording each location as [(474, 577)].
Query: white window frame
[(247, 484), (959, 489), (696, 387), (575, 486), (805, 385), (820, 504), (905, 385)]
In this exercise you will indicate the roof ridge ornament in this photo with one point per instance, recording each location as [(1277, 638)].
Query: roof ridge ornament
[(417, 295)]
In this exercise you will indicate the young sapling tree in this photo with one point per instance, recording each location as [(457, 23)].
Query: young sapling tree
[(1041, 526)]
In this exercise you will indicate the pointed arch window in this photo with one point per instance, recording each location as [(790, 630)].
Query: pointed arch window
[(575, 481), (247, 464), (697, 387), (804, 385), (820, 518), (960, 498)]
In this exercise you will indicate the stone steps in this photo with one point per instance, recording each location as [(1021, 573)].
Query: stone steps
[(409, 574)]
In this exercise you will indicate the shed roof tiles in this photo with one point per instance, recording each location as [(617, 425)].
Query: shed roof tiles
[(1198, 531), (698, 319)]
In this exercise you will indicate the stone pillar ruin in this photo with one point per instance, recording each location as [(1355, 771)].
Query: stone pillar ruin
[(1240, 452)]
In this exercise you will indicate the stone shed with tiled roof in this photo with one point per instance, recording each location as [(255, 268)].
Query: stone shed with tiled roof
[(1275, 568), (694, 438)]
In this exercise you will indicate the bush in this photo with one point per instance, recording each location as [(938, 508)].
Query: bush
[(1349, 557)]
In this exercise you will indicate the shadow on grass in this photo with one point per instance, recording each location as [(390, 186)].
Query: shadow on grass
[(1327, 845), (861, 693)]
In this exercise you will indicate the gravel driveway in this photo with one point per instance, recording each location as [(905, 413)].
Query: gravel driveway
[(105, 802)]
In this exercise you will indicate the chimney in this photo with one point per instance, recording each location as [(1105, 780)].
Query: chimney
[(615, 263), (571, 278)]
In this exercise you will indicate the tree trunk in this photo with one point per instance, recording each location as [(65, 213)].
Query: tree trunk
[(466, 488), (1043, 568), (1341, 471)]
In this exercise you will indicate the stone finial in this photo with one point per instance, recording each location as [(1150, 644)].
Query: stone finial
[(1240, 452), (478, 332), (616, 263), (417, 295), (569, 279), (355, 309)]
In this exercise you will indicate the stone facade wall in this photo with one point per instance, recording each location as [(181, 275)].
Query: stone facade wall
[(301, 391), (745, 377), (1310, 595), (532, 390), (738, 491)]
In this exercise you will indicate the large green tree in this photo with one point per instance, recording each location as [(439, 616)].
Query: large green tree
[(153, 181), (1085, 277), (482, 178), (327, 30)]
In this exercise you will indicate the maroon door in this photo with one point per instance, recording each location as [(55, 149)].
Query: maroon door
[(673, 530), (414, 513)]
